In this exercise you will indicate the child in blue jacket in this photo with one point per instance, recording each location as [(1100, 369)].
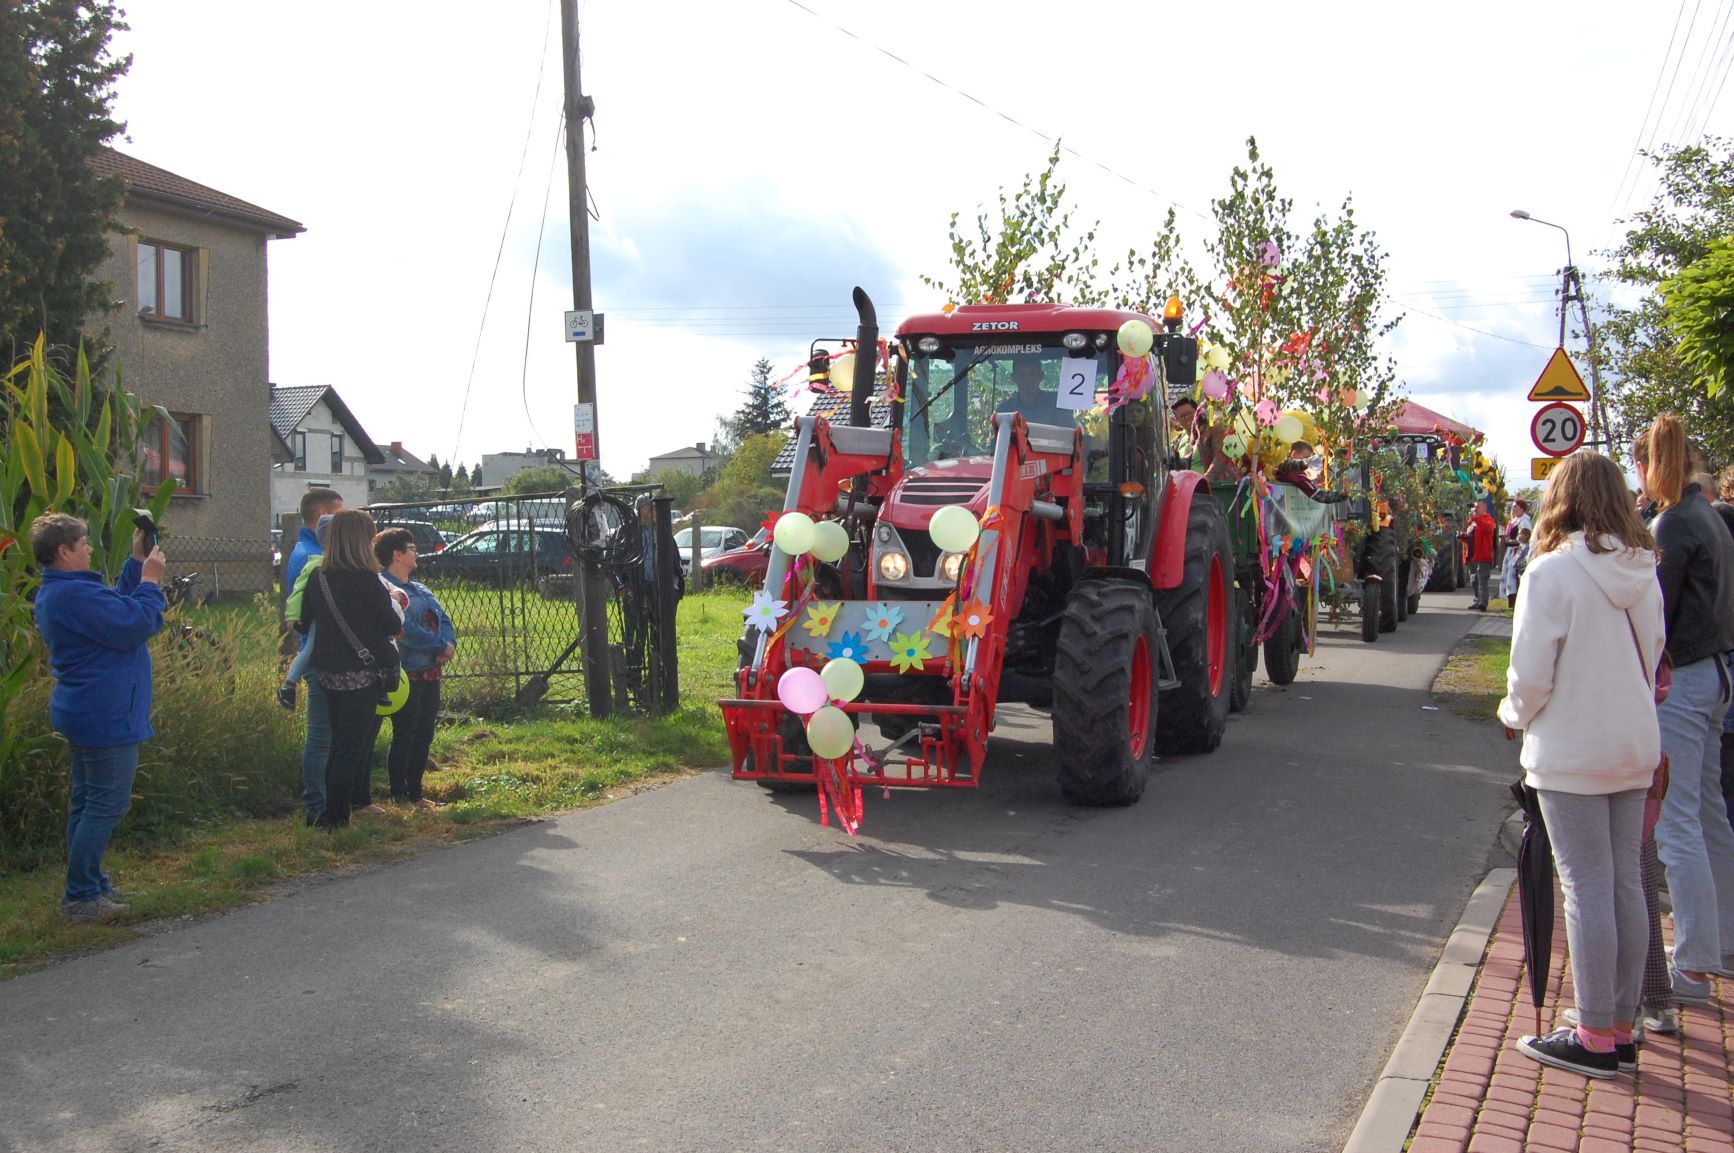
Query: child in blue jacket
[(97, 640)]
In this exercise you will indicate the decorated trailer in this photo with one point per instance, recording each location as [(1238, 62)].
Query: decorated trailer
[(1011, 533)]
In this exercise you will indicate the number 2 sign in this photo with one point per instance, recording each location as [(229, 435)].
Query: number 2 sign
[(1077, 383), (1557, 430)]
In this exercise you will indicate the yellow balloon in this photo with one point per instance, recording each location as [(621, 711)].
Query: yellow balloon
[(1287, 429), (1217, 358), (1246, 424), (830, 733), (843, 679), (395, 699), (1135, 338), (843, 372), (1233, 446), (954, 528), (830, 541), (794, 533)]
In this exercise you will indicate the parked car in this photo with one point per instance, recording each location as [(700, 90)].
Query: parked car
[(500, 556), (428, 539), (745, 565), (713, 542)]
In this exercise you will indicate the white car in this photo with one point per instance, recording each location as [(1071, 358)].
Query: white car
[(713, 541)]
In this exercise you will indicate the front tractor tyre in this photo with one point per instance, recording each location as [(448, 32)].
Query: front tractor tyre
[(1197, 616), (1282, 650), (1105, 692), (1246, 650)]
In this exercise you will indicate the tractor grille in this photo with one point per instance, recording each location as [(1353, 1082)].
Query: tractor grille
[(923, 553), (937, 490)]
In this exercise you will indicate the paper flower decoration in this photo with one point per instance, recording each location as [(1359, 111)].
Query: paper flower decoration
[(880, 620), (820, 619), (908, 651), (765, 611), (848, 645), (941, 624), (972, 620)]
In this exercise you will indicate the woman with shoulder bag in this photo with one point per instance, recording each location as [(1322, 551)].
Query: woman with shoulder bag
[(1586, 634), (1693, 836), (352, 654)]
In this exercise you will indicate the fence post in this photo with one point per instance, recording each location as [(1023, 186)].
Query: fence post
[(696, 577), (667, 585)]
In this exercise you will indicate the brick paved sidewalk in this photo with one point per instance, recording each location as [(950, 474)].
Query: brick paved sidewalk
[(1490, 1098)]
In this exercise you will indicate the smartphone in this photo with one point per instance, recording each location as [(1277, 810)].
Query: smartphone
[(141, 520)]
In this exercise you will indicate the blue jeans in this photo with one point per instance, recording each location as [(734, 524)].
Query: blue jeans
[(1693, 837), (101, 795), (316, 751)]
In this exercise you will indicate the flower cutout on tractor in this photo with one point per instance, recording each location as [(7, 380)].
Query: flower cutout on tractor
[(943, 622), (881, 618), (849, 645), (765, 611), (821, 618), (972, 620), (908, 651)]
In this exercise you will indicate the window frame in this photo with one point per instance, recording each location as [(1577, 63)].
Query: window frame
[(337, 454), (189, 296), (192, 429), (298, 450)]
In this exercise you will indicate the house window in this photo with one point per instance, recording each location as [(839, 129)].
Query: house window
[(298, 446), (165, 282), (171, 451), (337, 454)]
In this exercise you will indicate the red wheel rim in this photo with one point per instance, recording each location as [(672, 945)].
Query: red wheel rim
[(1138, 704), (1216, 626)]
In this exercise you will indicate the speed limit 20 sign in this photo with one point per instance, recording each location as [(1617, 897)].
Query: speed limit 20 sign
[(1557, 429)]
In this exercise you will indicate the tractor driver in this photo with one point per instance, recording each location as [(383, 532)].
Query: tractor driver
[(1036, 404)]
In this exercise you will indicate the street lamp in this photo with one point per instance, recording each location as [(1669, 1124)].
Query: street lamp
[(1571, 291), (1520, 214)]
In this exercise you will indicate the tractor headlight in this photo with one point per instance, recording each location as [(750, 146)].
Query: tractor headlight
[(927, 344), (1074, 340), (893, 566), (950, 565)]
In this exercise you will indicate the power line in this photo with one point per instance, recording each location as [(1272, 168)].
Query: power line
[(1482, 331), (530, 309), (505, 229), (989, 108), (1667, 96), (1638, 144), (1701, 79)]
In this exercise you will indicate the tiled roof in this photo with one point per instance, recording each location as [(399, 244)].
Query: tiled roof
[(290, 405), (400, 459), (148, 182), (835, 409)]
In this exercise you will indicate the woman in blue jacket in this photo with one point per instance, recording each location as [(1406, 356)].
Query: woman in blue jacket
[(428, 642), (97, 649)]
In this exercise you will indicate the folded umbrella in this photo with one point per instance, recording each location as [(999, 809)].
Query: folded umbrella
[(1535, 895)]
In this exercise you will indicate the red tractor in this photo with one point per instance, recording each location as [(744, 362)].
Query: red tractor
[(1101, 585)]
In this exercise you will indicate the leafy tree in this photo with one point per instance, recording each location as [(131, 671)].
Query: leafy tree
[(682, 487), (1031, 253), (745, 490), (57, 80), (409, 488), (460, 482), (763, 410), (1644, 371), (545, 478), (1700, 306)]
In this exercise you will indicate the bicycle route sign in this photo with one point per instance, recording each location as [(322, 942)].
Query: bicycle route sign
[(1558, 429)]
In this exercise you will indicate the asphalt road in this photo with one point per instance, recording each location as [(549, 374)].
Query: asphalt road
[(1223, 966)]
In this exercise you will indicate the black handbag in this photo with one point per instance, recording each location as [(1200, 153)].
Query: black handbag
[(390, 672)]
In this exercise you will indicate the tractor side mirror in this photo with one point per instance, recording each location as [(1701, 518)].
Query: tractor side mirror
[(1180, 360)]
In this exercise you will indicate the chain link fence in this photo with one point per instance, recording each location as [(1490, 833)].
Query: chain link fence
[(205, 569)]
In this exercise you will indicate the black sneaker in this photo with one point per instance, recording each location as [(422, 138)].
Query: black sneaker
[(1628, 1056), (1563, 1050)]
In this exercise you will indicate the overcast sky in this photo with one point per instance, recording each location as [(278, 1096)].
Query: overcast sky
[(753, 163)]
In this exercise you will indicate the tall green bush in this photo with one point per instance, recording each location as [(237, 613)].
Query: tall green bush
[(71, 445)]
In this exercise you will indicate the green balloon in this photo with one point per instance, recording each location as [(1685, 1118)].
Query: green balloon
[(843, 679), (830, 541), (830, 733)]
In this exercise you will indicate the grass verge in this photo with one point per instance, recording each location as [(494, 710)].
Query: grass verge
[(1473, 679), (492, 774)]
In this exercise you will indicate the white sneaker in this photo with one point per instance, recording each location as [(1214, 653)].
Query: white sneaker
[(1569, 1016), (1665, 1022)]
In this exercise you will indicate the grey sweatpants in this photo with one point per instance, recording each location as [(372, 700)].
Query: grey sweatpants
[(1480, 575), (1596, 853)]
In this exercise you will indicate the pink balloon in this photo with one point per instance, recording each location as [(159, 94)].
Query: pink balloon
[(1266, 411), (1215, 385), (802, 691)]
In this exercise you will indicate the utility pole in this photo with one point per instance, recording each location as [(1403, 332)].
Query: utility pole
[(592, 591), (1601, 433)]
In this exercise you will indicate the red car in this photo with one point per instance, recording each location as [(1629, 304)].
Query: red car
[(742, 566)]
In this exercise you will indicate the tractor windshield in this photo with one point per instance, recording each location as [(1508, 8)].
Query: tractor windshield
[(954, 393)]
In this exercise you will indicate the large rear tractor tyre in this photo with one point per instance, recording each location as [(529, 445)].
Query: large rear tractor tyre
[(1403, 576), (1370, 611), (1105, 671), (1246, 652), (1198, 617), (1383, 560), (1414, 605), (1282, 650)]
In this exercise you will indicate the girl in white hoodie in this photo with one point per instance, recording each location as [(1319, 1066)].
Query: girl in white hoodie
[(1586, 639)]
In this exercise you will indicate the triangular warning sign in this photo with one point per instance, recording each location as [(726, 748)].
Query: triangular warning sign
[(1559, 380)]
